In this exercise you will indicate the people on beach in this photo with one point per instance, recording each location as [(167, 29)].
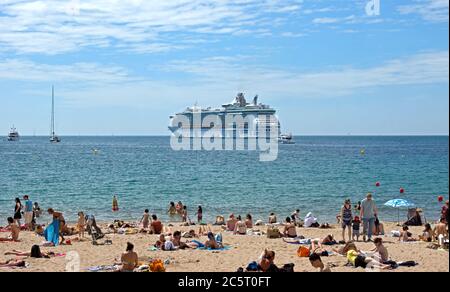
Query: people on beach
[(358, 259), (273, 218), (28, 213), (200, 215), (13, 263), (145, 220), (368, 215), (266, 262), (346, 219), (36, 212), (231, 223), (129, 259), (317, 263), (15, 231), (179, 208), (184, 214), (405, 235), (427, 234), (311, 221), (381, 250), (356, 226), (290, 230), (249, 221), (441, 229), (212, 243), (156, 227), (18, 211), (34, 253), (240, 227), (172, 211), (445, 213), (58, 216), (81, 224), (295, 216), (378, 228)]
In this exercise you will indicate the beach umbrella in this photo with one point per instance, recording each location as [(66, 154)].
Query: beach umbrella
[(398, 203)]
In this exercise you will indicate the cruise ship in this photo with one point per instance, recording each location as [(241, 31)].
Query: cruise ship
[(259, 119), (13, 135)]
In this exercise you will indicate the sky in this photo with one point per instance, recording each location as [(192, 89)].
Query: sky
[(122, 67)]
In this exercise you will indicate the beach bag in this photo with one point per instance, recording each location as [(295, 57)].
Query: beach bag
[(303, 252), (273, 232)]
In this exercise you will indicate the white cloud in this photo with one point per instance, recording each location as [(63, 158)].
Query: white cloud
[(429, 10), (54, 26)]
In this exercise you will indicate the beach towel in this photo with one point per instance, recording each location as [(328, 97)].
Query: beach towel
[(51, 233), (216, 249), (102, 268), (305, 241)]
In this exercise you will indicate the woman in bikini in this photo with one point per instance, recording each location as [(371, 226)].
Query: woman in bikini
[(129, 259), (290, 229), (240, 227), (34, 253)]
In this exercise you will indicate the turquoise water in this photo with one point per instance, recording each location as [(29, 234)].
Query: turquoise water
[(316, 175)]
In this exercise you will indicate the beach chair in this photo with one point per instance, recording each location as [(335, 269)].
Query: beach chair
[(92, 228)]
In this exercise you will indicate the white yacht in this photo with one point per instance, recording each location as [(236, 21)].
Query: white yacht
[(13, 135)]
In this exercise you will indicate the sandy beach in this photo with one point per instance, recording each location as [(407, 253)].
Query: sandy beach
[(243, 250)]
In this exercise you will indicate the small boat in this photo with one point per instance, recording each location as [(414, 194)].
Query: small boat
[(53, 137), (13, 135), (286, 139)]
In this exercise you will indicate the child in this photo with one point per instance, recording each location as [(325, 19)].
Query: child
[(200, 214), (405, 235), (145, 220), (81, 224), (356, 224)]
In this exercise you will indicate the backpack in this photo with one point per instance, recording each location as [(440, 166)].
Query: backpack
[(303, 252)]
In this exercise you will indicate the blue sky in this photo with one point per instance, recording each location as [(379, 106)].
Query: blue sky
[(327, 66)]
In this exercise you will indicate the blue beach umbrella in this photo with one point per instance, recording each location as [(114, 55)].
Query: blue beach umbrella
[(399, 203)]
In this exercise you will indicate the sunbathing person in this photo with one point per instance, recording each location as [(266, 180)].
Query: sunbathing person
[(381, 250), (211, 243), (15, 231), (317, 263), (129, 259), (290, 229), (13, 264), (249, 221), (240, 227), (34, 253), (176, 241), (231, 223), (405, 235), (344, 249), (428, 234), (273, 218), (357, 259), (161, 242), (266, 262)]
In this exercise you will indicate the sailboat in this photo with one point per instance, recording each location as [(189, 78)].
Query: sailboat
[(53, 137)]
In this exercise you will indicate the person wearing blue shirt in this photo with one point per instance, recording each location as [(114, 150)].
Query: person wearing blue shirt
[(28, 212)]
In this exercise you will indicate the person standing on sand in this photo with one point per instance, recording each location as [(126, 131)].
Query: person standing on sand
[(346, 218), (368, 213), (28, 213), (145, 220), (18, 211)]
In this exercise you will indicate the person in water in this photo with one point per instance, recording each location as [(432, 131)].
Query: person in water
[(129, 259), (199, 215), (290, 229), (15, 231), (34, 253), (172, 209), (115, 204), (184, 214)]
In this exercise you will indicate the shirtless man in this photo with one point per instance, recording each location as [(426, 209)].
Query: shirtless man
[(231, 223), (129, 259), (62, 222), (381, 250), (441, 228), (317, 263), (15, 230)]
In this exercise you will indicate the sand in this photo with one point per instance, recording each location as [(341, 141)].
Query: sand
[(244, 249)]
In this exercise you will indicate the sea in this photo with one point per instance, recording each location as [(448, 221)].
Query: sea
[(315, 175)]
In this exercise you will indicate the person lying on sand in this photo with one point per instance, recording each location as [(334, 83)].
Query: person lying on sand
[(129, 259), (428, 234), (13, 264), (290, 229), (357, 259), (406, 236), (240, 227), (34, 253), (317, 263), (15, 231), (345, 248)]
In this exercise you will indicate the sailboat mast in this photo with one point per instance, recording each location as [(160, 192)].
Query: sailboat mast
[(53, 112)]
